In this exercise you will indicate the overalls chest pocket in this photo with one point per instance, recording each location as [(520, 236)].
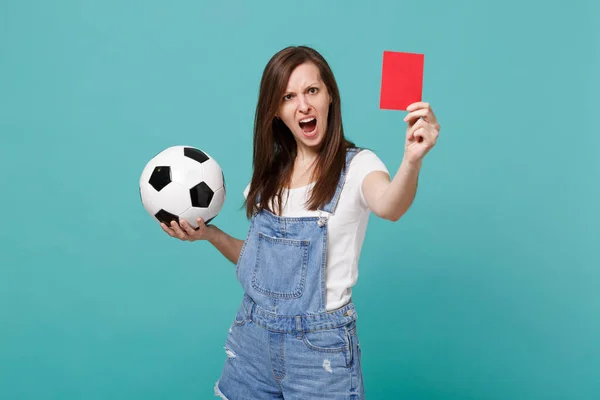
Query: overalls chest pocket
[(280, 268)]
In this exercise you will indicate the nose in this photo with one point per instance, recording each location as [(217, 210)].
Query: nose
[(303, 104)]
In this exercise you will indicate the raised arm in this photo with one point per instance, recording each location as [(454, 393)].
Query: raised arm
[(391, 199)]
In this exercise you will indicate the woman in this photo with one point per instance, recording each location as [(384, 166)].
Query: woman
[(294, 335)]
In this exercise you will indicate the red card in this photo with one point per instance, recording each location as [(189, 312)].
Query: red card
[(401, 80)]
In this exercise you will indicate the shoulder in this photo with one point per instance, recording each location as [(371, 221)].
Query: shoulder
[(363, 163)]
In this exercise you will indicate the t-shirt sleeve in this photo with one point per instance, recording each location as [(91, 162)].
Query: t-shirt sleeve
[(365, 162), (246, 191)]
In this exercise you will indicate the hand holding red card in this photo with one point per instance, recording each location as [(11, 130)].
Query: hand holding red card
[(402, 89), (401, 80), (422, 132)]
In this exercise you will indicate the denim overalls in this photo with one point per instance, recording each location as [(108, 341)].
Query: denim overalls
[(283, 344)]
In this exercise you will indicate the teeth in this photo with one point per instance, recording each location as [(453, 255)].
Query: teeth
[(306, 120)]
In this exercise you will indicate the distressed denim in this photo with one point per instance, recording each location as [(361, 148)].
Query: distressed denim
[(283, 343)]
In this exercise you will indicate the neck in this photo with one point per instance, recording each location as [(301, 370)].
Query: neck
[(305, 162), (305, 156)]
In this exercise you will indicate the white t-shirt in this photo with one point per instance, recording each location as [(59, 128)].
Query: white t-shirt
[(346, 228)]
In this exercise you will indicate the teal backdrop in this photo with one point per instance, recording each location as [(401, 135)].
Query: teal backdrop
[(486, 289)]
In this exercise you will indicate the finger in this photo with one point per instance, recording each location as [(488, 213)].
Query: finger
[(166, 229), (418, 105), (424, 114), (419, 134), (410, 132), (429, 136), (415, 115), (433, 132), (187, 228), (175, 226), (434, 128)]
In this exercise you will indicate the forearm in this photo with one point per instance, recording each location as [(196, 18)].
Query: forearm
[(229, 246), (400, 193)]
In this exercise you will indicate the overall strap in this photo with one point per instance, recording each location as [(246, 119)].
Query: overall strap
[(330, 207)]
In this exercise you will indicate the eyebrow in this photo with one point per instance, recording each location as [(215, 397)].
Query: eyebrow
[(307, 86)]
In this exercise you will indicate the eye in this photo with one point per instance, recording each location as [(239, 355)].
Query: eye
[(313, 90), (287, 97)]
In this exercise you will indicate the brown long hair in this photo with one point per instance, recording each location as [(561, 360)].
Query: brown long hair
[(274, 145)]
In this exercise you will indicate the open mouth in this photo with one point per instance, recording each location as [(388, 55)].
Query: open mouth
[(308, 125)]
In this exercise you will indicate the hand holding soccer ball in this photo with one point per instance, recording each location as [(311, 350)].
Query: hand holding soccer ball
[(185, 232)]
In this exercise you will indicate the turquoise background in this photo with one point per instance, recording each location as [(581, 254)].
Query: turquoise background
[(486, 289)]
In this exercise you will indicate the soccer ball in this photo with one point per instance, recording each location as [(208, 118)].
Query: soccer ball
[(182, 183)]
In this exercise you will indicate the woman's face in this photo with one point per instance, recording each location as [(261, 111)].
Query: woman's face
[(304, 107)]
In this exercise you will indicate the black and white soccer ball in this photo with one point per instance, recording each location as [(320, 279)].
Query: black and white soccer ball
[(182, 183)]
